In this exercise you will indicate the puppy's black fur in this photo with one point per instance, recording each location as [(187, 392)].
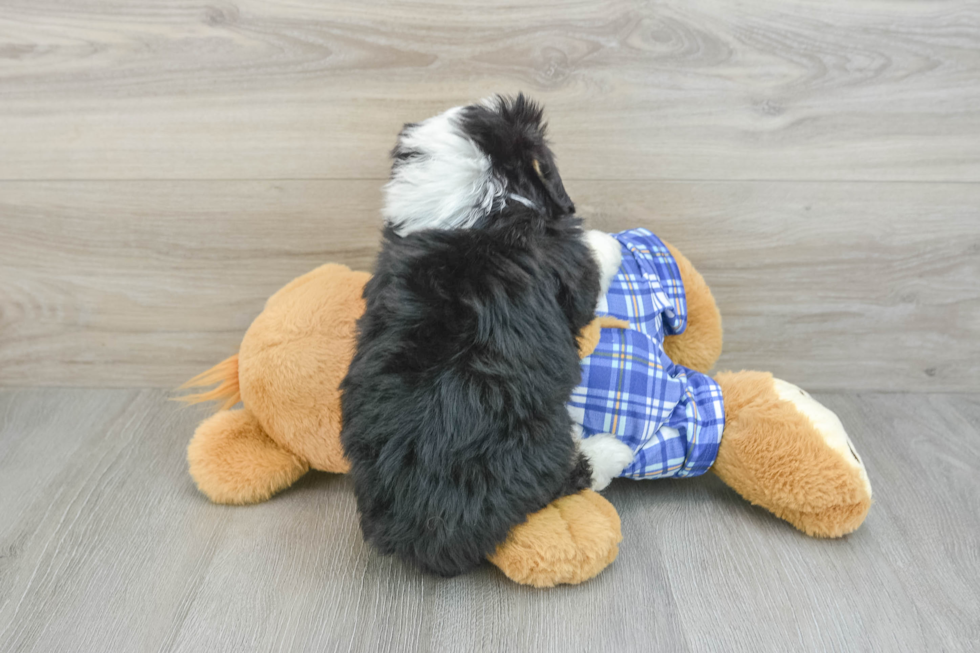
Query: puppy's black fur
[(454, 405)]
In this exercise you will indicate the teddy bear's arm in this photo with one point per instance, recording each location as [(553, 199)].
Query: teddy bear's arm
[(699, 346)]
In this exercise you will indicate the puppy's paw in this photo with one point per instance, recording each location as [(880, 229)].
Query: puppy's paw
[(607, 456), (606, 252)]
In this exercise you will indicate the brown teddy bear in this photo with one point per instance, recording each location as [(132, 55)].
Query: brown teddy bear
[(777, 447)]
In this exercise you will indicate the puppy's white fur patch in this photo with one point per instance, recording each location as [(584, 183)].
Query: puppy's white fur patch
[(607, 253), (449, 185), (607, 456)]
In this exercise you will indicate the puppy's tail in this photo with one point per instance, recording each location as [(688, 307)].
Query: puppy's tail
[(225, 374)]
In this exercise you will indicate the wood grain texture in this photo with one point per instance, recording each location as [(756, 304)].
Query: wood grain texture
[(105, 545), (871, 286), (677, 89)]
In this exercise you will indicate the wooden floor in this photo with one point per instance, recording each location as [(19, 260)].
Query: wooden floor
[(165, 166), (105, 545)]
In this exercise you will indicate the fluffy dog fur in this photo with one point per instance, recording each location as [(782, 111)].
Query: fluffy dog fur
[(454, 415)]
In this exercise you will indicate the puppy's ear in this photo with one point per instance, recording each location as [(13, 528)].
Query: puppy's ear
[(548, 173)]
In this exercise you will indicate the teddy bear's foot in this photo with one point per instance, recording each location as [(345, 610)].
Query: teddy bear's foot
[(569, 541), (232, 460), (784, 451)]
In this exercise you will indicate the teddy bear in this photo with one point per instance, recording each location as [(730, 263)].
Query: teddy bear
[(645, 409)]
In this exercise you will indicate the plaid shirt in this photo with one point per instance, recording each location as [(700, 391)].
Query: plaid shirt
[(672, 417)]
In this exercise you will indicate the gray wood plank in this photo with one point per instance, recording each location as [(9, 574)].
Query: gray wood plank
[(837, 286), (105, 546), (791, 89)]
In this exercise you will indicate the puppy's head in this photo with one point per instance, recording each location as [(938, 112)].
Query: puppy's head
[(455, 168)]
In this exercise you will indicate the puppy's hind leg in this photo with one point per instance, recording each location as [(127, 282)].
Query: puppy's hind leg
[(607, 254)]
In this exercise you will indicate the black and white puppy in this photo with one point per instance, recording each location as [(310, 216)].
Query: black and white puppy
[(454, 405)]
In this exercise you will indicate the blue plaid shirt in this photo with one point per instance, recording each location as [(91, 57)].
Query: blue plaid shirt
[(670, 416)]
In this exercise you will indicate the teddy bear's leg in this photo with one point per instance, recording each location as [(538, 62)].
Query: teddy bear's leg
[(232, 460), (784, 451), (700, 345), (569, 541)]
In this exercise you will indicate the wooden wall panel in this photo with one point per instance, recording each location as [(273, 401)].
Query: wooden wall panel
[(832, 285), (679, 89)]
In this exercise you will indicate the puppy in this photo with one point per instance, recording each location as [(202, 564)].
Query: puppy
[(454, 404)]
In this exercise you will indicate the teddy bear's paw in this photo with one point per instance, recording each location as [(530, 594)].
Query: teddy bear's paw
[(607, 253), (827, 425), (569, 541), (607, 456), (784, 451), (232, 460), (837, 518)]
